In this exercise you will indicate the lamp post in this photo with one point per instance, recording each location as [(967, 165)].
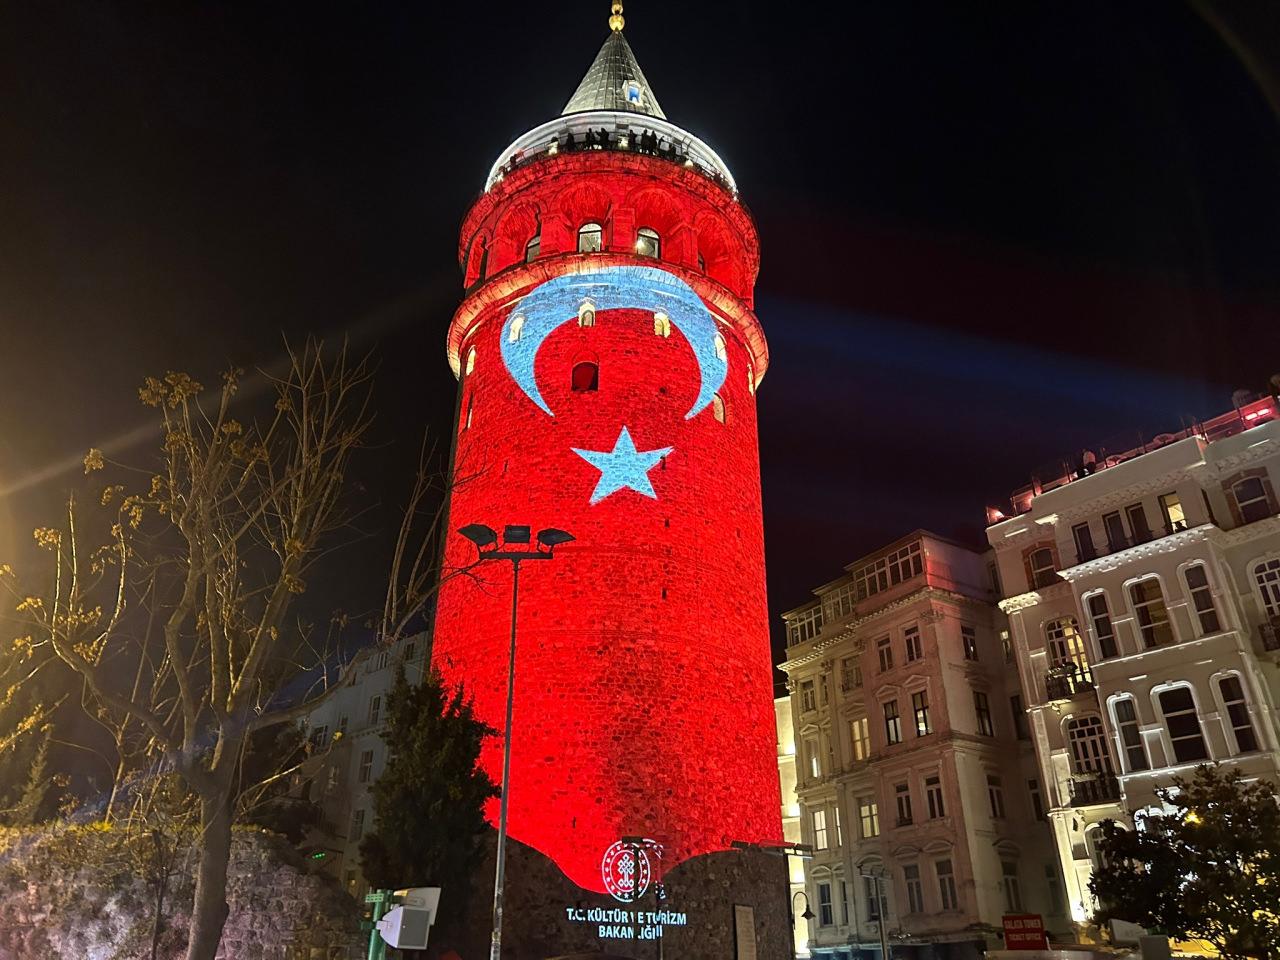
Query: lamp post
[(876, 877), (785, 850), (806, 917), (516, 548)]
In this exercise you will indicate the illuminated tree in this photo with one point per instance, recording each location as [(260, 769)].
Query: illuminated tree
[(218, 549), (1207, 868)]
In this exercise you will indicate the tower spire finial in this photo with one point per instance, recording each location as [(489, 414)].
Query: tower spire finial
[(616, 21)]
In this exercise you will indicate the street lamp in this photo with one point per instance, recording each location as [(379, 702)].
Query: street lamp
[(488, 548), (806, 917), (877, 876)]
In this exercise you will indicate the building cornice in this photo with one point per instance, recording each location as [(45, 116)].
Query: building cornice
[(1142, 551)]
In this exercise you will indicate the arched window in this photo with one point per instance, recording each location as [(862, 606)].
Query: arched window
[(533, 248), (751, 380), (1068, 662), (717, 407), (586, 376), (702, 263), (516, 329), (1088, 740), (587, 313), (661, 324), (1147, 600), (1201, 595), (1267, 576), (722, 351), (1237, 707), (648, 244), (471, 361), (1040, 569), (1132, 747), (1182, 721), (590, 238), (466, 424)]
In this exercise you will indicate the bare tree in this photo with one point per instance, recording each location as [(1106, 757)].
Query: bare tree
[(236, 520)]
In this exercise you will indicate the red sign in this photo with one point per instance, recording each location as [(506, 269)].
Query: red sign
[(1024, 931)]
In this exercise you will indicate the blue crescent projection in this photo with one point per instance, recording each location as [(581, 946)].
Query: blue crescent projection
[(556, 302)]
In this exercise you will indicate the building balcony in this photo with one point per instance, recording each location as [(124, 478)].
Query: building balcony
[(1089, 789), (1067, 681)]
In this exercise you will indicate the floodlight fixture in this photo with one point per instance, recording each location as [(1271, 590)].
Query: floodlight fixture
[(479, 534), (551, 537), (515, 534)]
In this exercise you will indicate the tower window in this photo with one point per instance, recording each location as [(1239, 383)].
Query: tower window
[(516, 329), (722, 351), (533, 248), (751, 380), (471, 361), (717, 407), (587, 313), (590, 238), (586, 376), (661, 324), (648, 244)]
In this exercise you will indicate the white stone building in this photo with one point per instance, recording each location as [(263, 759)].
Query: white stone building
[(348, 725), (791, 817), (1143, 594), (916, 783)]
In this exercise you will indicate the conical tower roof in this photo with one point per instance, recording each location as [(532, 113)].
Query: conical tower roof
[(615, 80)]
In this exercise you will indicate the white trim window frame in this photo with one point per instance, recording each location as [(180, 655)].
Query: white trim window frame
[(1200, 597), (1151, 613), (1185, 734)]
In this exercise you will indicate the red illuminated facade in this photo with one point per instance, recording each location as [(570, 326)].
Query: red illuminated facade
[(643, 698)]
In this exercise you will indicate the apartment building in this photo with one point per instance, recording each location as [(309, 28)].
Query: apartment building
[(791, 819), (916, 779), (1142, 588), (345, 731)]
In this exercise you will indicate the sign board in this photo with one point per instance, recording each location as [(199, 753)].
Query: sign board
[(1024, 931), (744, 931)]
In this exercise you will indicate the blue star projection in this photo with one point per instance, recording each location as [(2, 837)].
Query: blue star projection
[(612, 288), (623, 467)]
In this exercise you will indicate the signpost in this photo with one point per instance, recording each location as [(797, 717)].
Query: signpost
[(1024, 931)]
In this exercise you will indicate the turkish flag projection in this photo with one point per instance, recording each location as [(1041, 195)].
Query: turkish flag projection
[(643, 696)]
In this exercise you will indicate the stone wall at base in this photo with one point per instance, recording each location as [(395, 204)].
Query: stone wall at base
[(546, 916)]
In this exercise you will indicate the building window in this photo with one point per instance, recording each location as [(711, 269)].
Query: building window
[(1251, 499), (318, 736), (410, 649), (366, 766), (920, 708), (375, 709), (812, 755), (587, 313), (586, 376), (1066, 648), (1171, 509), (1267, 576), (983, 711), (717, 407), (915, 891), (590, 238), (885, 650), (1006, 646), (860, 735), (844, 902), (911, 636), (1103, 631), (933, 797), (721, 348), (1135, 752), (946, 885), (995, 796), (1040, 565), (869, 816), (839, 827), (471, 361), (820, 829), (384, 660), (1117, 539), (901, 565), (969, 639), (902, 794), (648, 244), (1238, 713), (1037, 802), (876, 905), (1088, 742), (808, 696), (1148, 607), (1202, 599), (471, 402), (850, 674), (1083, 537), (1019, 713), (892, 723), (516, 330), (357, 825), (1183, 723), (1138, 525), (1012, 891), (533, 248), (661, 325), (826, 915)]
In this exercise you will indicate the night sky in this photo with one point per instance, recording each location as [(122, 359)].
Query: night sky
[(992, 233)]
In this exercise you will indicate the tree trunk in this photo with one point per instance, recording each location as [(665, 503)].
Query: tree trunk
[(210, 909)]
